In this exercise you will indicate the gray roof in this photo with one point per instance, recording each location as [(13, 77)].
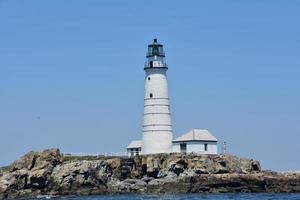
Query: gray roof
[(135, 144), (197, 135)]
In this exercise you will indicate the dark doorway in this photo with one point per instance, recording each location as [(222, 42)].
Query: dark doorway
[(151, 63), (183, 148), (205, 147)]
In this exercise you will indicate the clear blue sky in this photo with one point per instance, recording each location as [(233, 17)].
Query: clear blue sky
[(71, 74)]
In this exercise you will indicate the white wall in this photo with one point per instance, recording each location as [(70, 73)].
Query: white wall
[(197, 147), (157, 127)]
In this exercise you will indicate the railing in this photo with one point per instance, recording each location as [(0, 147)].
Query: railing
[(124, 154), (105, 154), (147, 65), (150, 54)]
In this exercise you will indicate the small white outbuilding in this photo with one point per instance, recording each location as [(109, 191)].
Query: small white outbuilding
[(199, 141), (134, 148)]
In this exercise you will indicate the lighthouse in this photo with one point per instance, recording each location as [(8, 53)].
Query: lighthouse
[(157, 126)]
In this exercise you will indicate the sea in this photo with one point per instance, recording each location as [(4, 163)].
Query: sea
[(238, 196)]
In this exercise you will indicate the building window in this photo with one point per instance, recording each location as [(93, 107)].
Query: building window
[(151, 95), (132, 152), (149, 78), (205, 147), (183, 148)]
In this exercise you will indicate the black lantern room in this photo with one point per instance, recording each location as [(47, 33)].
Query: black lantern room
[(155, 49)]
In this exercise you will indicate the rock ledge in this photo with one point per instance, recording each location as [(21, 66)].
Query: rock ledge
[(49, 173)]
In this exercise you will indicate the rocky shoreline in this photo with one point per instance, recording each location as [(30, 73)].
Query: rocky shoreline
[(50, 173)]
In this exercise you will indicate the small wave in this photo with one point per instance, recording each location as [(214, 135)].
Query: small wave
[(45, 196)]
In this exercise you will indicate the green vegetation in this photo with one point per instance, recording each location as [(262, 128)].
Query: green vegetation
[(71, 158), (5, 168)]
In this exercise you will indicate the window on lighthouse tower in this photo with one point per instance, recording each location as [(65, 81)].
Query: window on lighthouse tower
[(151, 95)]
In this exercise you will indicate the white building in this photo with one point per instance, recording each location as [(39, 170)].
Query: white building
[(134, 148), (199, 141), (157, 126)]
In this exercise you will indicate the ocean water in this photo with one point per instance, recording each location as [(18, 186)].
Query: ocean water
[(246, 196)]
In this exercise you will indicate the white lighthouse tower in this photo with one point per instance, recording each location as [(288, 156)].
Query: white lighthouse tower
[(157, 127)]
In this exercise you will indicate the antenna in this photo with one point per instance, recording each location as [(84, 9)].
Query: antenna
[(224, 148)]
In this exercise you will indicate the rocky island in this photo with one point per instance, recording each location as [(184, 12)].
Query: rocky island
[(49, 172)]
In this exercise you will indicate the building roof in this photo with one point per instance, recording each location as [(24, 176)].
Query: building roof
[(197, 135), (135, 144)]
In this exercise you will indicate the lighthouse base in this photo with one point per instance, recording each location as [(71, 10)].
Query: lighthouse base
[(157, 142)]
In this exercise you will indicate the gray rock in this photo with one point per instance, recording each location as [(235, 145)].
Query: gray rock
[(147, 179), (188, 173), (44, 173), (166, 173), (201, 171)]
